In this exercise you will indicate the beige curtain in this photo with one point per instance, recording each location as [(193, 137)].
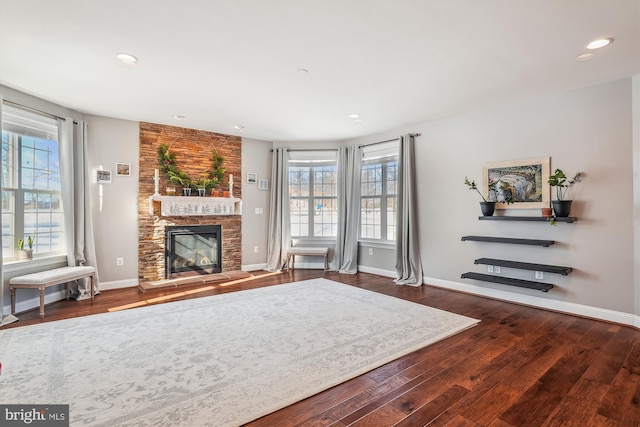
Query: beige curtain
[(408, 263), (279, 237), (8, 317), (76, 202), (346, 252)]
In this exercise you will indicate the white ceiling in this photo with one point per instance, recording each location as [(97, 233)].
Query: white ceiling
[(224, 63)]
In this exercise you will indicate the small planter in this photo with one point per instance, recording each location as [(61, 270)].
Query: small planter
[(202, 192), (25, 254), (547, 212), (186, 191), (225, 193), (561, 208), (488, 208)]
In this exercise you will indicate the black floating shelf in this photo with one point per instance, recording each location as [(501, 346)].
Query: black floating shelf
[(533, 242), (525, 265), (570, 219), (544, 287)]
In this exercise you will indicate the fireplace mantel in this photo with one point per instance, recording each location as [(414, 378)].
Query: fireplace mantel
[(196, 206)]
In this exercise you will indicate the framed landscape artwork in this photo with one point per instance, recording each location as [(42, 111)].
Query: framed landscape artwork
[(123, 169), (524, 180)]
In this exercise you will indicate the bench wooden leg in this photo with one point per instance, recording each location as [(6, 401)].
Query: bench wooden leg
[(13, 300), (93, 286), (41, 302)]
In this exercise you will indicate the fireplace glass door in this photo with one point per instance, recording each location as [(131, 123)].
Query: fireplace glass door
[(191, 250)]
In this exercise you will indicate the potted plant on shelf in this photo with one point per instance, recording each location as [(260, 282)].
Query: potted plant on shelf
[(562, 206), (25, 253), (488, 204)]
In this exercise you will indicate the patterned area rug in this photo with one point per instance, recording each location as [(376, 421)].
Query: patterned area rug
[(222, 360)]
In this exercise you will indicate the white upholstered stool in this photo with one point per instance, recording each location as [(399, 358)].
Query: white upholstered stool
[(44, 279)]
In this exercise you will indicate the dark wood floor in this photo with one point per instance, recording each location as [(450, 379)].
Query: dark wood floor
[(519, 367)]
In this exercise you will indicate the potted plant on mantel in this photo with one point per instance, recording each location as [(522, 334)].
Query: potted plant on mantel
[(488, 204), (561, 206), (202, 185)]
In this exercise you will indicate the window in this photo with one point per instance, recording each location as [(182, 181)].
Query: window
[(313, 194), (31, 201), (378, 192)]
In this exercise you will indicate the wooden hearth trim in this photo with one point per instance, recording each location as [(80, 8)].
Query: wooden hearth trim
[(204, 279)]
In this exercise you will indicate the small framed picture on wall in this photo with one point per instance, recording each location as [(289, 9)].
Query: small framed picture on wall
[(263, 184), (123, 169), (103, 176), (252, 178)]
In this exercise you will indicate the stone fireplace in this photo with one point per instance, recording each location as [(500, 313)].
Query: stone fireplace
[(191, 250), (193, 154)]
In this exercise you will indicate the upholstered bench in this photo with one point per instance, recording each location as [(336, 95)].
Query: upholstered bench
[(44, 279), (307, 251)]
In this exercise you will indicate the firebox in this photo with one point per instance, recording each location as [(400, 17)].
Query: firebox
[(193, 249)]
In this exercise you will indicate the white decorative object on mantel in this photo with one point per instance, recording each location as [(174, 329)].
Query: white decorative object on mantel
[(196, 206)]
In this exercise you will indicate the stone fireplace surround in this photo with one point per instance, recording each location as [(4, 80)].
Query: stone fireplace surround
[(193, 154)]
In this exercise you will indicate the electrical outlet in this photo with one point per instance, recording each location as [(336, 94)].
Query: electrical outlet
[(256, 249), (496, 269), (119, 261), (539, 275), (370, 251), (490, 268)]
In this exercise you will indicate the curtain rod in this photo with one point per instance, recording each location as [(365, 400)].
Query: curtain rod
[(388, 140), (25, 107)]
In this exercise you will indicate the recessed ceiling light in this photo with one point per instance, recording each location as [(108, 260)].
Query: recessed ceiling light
[(127, 59), (179, 117), (585, 56), (239, 128), (303, 71), (597, 44), (354, 116)]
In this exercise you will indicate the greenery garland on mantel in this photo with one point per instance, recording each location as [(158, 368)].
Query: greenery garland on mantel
[(168, 165)]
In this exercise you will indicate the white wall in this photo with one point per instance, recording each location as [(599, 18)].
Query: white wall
[(256, 158), (636, 182), (587, 130), (115, 205)]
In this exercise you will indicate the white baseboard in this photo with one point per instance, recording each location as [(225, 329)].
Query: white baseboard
[(118, 284), (543, 303), (254, 267), (378, 271)]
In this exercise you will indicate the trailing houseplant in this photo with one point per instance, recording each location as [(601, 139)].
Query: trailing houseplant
[(488, 204), (559, 180), (168, 165)]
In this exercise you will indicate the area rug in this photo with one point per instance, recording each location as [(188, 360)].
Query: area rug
[(222, 360)]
